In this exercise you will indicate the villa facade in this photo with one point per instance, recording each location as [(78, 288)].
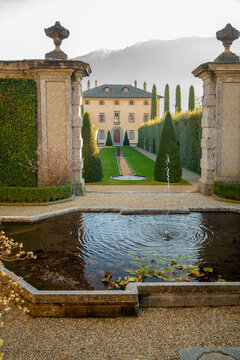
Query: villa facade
[(118, 108)]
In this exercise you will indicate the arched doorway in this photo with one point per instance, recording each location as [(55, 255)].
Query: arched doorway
[(116, 136)]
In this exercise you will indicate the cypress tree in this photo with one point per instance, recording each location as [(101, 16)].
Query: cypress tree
[(109, 139), (178, 103), (126, 140), (168, 148), (191, 99), (154, 102), (166, 99), (92, 168)]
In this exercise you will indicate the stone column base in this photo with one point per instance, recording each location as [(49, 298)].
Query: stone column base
[(206, 189), (79, 189)]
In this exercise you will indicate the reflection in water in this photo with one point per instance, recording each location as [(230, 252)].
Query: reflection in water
[(74, 251)]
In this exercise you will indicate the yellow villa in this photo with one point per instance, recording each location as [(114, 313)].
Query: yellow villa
[(118, 108)]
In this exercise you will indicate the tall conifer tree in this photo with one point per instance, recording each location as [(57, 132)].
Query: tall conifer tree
[(92, 168), (168, 150), (178, 102), (166, 99), (154, 102), (191, 99)]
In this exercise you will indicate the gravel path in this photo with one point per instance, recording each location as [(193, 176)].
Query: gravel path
[(121, 199), (155, 335)]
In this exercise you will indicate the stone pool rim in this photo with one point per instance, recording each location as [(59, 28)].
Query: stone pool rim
[(105, 303), (118, 209)]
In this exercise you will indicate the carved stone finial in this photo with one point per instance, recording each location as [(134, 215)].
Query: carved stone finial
[(58, 33), (227, 36)]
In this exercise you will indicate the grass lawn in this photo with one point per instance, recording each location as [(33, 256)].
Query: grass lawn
[(140, 163)]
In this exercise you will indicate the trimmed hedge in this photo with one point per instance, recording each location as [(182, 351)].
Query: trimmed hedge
[(14, 194), (18, 132), (189, 133), (227, 191)]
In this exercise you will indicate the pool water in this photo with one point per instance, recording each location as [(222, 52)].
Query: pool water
[(74, 251)]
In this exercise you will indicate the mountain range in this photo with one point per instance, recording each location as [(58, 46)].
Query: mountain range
[(156, 62)]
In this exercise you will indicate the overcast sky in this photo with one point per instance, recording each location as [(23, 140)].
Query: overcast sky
[(109, 24)]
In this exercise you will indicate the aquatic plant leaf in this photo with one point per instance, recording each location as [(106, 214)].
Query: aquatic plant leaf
[(173, 263), (108, 276), (208, 269), (195, 273)]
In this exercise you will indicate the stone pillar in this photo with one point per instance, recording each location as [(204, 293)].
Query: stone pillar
[(221, 118), (77, 142)]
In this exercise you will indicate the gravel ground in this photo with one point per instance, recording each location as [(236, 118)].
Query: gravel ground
[(155, 335), (128, 200)]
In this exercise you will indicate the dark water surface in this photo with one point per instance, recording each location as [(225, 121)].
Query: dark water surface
[(74, 251)]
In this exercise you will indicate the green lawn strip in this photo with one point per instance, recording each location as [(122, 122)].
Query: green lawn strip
[(140, 163)]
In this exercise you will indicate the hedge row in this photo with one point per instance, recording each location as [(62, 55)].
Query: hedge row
[(227, 191), (189, 133), (18, 135), (33, 194)]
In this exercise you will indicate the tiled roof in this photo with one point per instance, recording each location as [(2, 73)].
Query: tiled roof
[(116, 91)]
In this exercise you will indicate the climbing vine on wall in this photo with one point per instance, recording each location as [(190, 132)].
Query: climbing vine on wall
[(18, 132)]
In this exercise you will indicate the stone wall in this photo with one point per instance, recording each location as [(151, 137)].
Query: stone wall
[(59, 139)]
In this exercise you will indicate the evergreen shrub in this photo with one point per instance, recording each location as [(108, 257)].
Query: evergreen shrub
[(92, 168), (14, 194), (126, 139), (189, 133), (227, 191), (18, 132), (168, 148), (109, 139)]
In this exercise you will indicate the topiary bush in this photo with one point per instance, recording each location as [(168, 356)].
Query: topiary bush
[(166, 99), (126, 139), (168, 147), (18, 134), (92, 168), (227, 191), (109, 139), (14, 194)]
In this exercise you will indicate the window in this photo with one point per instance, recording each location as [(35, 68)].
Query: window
[(101, 135), (101, 117), (131, 118), (145, 117), (131, 135), (116, 102), (101, 102), (146, 102), (86, 102), (116, 117), (131, 102), (125, 89), (107, 89)]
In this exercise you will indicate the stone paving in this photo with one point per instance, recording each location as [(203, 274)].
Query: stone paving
[(208, 353)]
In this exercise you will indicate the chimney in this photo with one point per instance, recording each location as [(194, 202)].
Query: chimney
[(88, 85), (144, 86), (135, 83), (95, 83)]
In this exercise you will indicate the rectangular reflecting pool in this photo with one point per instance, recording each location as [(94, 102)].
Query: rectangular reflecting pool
[(75, 251)]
